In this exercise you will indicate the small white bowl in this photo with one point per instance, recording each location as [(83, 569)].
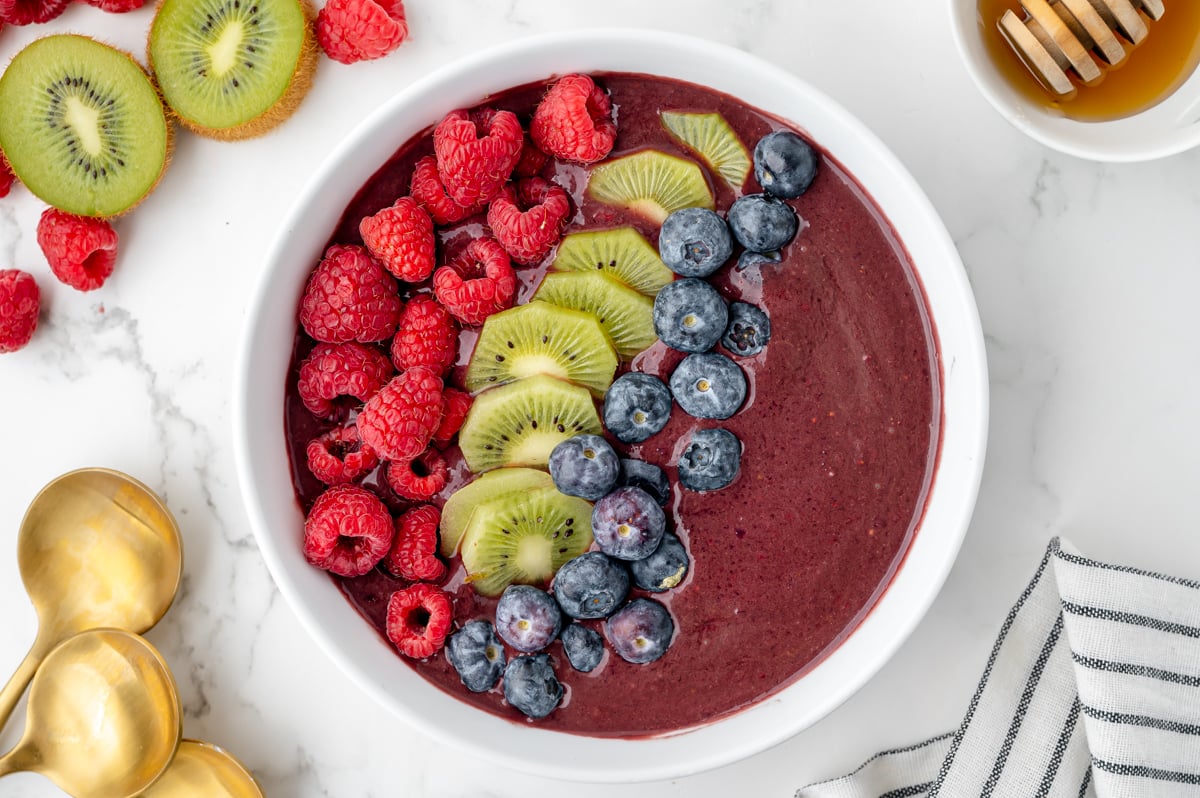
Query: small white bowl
[(356, 647), (1170, 127)]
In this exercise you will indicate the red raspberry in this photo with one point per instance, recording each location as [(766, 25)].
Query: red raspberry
[(455, 404), (81, 250), (427, 189), (474, 169), (413, 555), (360, 30), (338, 456), (350, 297), (6, 176), (427, 336), (24, 12), (401, 237), (399, 420), (419, 479), (533, 160), (348, 531), (529, 219), (477, 283), (116, 6), (334, 370), (574, 121), (419, 619), (20, 303)]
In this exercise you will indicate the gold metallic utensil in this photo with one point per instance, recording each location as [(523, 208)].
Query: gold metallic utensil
[(103, 719), (96, 549), (202, 770)]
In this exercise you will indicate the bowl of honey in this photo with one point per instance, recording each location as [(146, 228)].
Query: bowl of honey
[(1104, 80)]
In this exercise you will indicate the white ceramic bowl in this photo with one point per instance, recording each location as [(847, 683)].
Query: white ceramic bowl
[(354, 644), (1167, 128)]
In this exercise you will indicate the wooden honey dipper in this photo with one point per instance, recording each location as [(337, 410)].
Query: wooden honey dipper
[(1061, 36)]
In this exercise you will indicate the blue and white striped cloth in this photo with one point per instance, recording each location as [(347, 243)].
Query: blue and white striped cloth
[(1093, 684)]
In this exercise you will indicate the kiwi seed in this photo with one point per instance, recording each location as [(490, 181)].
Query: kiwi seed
[(82, 125)]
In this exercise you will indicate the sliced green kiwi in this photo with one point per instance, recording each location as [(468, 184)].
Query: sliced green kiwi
[(524, 539), (622, 252), (626, 315), (650, 183), (232, 69), (540, 338), (711, 138), (483, 489), (82, 125), (520, 423)]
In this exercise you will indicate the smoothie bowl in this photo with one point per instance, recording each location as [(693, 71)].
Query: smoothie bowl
[(817, 455)]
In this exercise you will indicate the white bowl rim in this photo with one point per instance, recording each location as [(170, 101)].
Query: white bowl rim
[(842, 672), (1168, 128)]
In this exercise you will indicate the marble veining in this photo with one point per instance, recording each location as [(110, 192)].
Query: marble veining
[(1085, 276)]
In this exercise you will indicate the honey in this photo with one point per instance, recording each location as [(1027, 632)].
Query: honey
[(1148, 74)]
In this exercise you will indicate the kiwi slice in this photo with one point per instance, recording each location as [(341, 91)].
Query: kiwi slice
[(524, 539), (626, 315), (711, 138), (82, 125), (650, 183), (232, 69), (483, 489), (622, 252), (520, 423), (540, 338)]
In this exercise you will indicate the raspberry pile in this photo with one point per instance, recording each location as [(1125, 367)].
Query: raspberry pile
[(382, 320)]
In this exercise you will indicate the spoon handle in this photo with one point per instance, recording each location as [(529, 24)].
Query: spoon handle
[(12, 692)]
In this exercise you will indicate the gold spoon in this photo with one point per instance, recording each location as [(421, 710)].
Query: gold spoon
[(96, 549), (103, 719), (202, 770)]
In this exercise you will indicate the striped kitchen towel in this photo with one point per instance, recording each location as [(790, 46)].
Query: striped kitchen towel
[(1093, 684)]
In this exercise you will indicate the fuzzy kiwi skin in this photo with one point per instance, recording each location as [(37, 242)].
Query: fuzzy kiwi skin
[(168, 151), (284, 107)]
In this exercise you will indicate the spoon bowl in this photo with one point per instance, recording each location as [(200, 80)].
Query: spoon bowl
[(104, 718), (96, 549), (203, 770)]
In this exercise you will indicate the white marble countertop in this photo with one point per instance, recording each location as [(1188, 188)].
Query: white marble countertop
[(1087, 283)]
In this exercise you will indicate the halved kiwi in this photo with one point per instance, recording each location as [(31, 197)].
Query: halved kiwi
[(232, 69), (650, 183), (626, 315), (711, 138), (621, 252), (524, 539), (540, 338), (520, 423), (483, 489), (82, 125)]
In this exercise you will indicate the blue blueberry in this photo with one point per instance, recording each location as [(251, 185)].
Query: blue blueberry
[(628, 524), (585, 466), (531, 686), (527, 619), (583, 646), (708, 385), (711, 460), (477, 655), (664, 569), (694, 242), (762, 223), (749, 330), (640, 632), (636, 406), (784, 164), (591, 585), (689, 315), (647, 476), (748, 259)]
